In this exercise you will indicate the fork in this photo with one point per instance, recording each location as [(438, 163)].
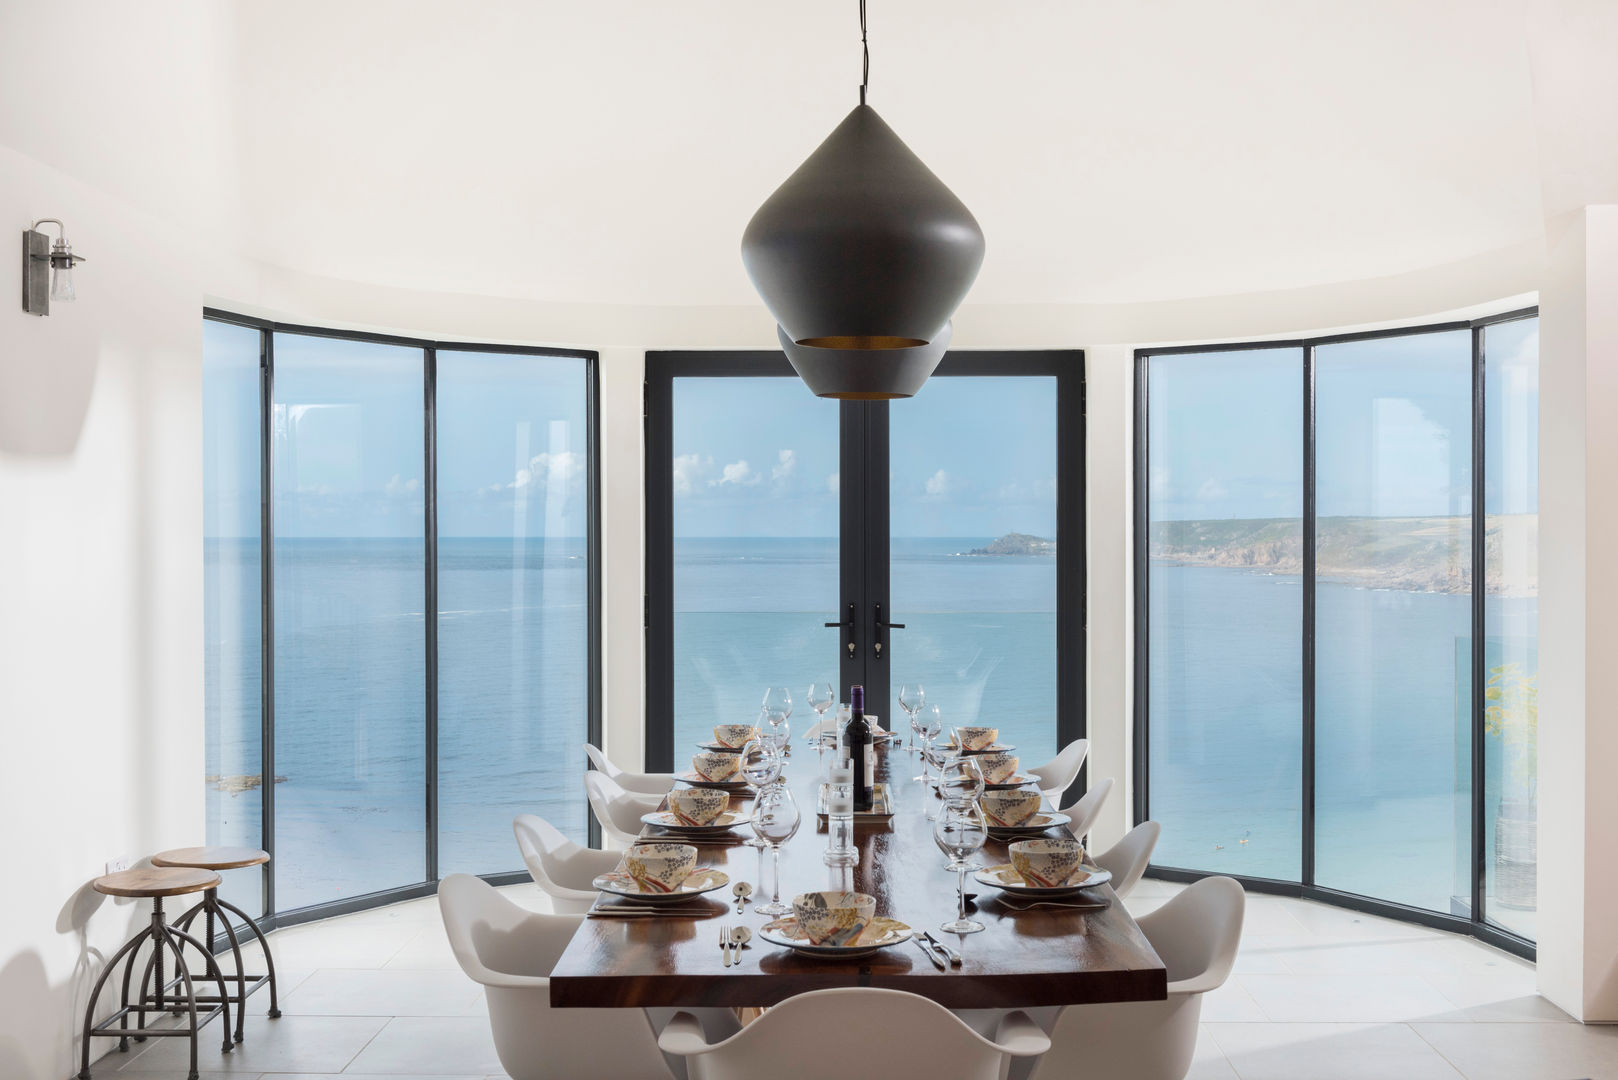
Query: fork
[(724, 941)]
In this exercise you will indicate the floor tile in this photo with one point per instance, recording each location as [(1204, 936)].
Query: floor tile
[(1495, 997), (450, 1045), (1350, 999), (355, 992), (427, 950), (1231, 1002), (290, 1044), (1526, 1051), (1209, 1061), (1329, 1052), (336, 944), (1262, 955)]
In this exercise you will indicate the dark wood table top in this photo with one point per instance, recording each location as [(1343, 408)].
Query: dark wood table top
[(1029, 957)]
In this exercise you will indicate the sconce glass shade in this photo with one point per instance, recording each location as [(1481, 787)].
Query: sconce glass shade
[(62, 290)]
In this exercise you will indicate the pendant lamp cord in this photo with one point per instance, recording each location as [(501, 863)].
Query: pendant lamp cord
[(865, 51)]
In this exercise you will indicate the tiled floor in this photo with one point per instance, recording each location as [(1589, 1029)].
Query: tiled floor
[(1318, 994)]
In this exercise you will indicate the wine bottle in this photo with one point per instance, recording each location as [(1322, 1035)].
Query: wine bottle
[(862, 751)]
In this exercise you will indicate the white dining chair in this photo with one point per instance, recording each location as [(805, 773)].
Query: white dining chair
[(1083, 813), (1196, 935), (1057, 774), (1128, 858), (643, 783), (618, 811), (558, 865), (850, 1031), (510, 952)]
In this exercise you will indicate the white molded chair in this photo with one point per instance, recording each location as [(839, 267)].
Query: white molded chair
[(1196, 935), (1083, 813), (617, 810), (511, 952), (854, 1031), (1127, 858), (558, 865), (1059, 772), (643, 783)]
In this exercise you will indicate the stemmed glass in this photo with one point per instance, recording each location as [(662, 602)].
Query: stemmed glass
[(820, 698), (776, 820), (937, 755), (960, 833), (912, 696), (760, 766), (960, 781), (928, 724), (777, 707)]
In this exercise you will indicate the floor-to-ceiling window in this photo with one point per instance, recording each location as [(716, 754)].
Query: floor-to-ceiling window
[(423, 569), (1336, 682)]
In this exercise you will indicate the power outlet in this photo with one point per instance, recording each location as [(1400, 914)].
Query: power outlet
[(118, 863)]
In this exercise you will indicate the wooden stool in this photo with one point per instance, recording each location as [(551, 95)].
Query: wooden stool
[(155, 884), (224, 858)]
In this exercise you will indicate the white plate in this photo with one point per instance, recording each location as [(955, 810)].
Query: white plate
[(666, 819), (1019, 780), (881, 934), (1041, 821), (696, 779), (994, 748), (719, 748), (1005, 878), (619, 883)]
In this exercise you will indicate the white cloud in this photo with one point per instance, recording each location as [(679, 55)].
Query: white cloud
[(549, 470), (938, 484), (834, 483), (1212, 489), (739, 473), (786, 464), (688, 470), (400, 486)]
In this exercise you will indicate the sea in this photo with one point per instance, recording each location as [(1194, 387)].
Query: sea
[(1393, 793)]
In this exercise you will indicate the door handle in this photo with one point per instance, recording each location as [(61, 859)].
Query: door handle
[(853, 648), (881, 626)]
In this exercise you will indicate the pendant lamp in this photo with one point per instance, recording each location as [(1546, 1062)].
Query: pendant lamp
[(862, 256)]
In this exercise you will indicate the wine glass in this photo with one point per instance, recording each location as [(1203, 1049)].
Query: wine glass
[(929, 723), (760, 766), (778, 702), (820, 698), (960, 833), (937, 755), (912, 696), (776, 820), (960, 781), (779, 731)]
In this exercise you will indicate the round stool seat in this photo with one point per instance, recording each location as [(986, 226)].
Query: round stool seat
[(212, 858), (156, 881)]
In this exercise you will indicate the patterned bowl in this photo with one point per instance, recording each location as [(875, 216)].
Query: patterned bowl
[(660, 868), (997, 768), (833, 918), (1046, 863), (698, 805), (716, 765), (975, 738), (734, 734), (1010, 807)]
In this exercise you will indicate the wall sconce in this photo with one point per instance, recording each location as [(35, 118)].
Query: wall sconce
[(47, 270)]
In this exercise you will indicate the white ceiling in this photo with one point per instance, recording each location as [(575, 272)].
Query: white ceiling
[(612, 151)]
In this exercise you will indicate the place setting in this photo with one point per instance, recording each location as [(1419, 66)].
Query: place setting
[(1046, 873), (659, 879), (701, 814), (835, 925)]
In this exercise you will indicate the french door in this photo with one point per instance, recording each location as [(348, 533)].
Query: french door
[(937, 540)]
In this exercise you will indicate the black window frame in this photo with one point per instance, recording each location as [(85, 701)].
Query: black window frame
[(864, 430), (270, 916), (1474, 922)]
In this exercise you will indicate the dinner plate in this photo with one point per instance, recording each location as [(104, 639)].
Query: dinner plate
[(1019, 780), (1041, 821), (880, 934), (696, 779), (702, 880), (718, 748), (993, 748), (667, 819), (1005, 878)]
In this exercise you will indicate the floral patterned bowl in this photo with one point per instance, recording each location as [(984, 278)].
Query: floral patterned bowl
[(660, 868), (833, 918)]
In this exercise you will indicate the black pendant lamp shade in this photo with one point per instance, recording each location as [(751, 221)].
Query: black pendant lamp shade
[(862, 256)]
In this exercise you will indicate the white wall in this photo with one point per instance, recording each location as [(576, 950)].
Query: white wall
[(100, 599)]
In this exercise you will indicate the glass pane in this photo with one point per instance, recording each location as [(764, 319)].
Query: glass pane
[(513, 601), (1393, 618), (350, 658), (755, 550), (1225, 541), (1511, 615), (972, 513), (232, 669)]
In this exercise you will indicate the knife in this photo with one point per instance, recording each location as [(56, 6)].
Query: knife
[(924, 946), (954, 956)]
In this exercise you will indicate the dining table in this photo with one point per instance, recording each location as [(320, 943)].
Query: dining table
[(1025, 956)]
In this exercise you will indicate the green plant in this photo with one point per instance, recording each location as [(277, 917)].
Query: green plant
[(1511, 714)]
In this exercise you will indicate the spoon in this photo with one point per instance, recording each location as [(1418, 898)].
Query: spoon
[(741, 891), (739, 937)]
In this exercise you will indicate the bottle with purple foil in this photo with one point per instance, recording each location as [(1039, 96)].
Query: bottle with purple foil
[(862, 752)]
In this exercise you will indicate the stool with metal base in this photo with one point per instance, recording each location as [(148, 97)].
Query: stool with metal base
[(155, 884), (224, 858)]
